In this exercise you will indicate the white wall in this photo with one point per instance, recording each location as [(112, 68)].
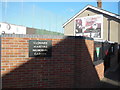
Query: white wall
[(10, 29)]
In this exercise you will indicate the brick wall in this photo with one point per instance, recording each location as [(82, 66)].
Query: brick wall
[(71, 64), (0, 62)]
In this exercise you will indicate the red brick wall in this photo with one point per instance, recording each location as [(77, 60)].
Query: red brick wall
[(70, 66)]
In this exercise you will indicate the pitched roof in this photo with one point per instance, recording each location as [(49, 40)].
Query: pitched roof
[(94, 8)]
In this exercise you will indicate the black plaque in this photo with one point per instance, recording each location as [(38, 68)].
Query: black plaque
[(40, 48)]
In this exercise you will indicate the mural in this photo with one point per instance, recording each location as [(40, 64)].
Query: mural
[(90, 26)]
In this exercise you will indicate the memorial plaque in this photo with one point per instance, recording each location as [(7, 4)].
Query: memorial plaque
[(40, 48)]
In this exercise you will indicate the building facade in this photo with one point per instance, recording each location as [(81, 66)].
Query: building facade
[(6, 28), (108, 24)]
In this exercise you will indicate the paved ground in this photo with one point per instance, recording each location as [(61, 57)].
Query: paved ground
[(111, 80)]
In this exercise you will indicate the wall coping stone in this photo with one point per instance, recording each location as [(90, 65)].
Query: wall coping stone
[(44, 36)]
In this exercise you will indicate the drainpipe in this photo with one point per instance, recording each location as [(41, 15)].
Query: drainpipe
[(108, 29)]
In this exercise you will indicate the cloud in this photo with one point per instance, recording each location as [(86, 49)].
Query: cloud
[(71, 10)]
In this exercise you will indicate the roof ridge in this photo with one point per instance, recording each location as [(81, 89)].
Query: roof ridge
[(92, 7), (105, 10)]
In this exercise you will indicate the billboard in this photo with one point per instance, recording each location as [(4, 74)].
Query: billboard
[(89, 26)]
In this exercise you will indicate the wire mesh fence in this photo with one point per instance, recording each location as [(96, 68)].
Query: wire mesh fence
[(32, 15)]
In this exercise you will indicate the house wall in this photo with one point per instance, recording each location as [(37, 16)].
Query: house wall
[(114, 31), (70, 66), (69, 28)]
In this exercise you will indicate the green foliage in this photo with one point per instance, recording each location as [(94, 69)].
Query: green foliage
[(46, 32)]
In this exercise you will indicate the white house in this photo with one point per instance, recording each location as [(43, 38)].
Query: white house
[(7, 28)]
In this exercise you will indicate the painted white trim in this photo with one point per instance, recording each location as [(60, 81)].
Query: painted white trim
[(74, 27), (102, 27), (92, 7), (106, 12)]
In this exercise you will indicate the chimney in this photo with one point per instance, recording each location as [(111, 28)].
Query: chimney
[(99, 3)]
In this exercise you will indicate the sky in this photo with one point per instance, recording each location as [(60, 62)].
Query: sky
[(46, 15)]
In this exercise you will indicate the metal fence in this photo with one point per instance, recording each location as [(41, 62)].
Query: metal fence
[(103, 52)]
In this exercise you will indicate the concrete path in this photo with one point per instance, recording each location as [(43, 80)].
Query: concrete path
[(111, 80)]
